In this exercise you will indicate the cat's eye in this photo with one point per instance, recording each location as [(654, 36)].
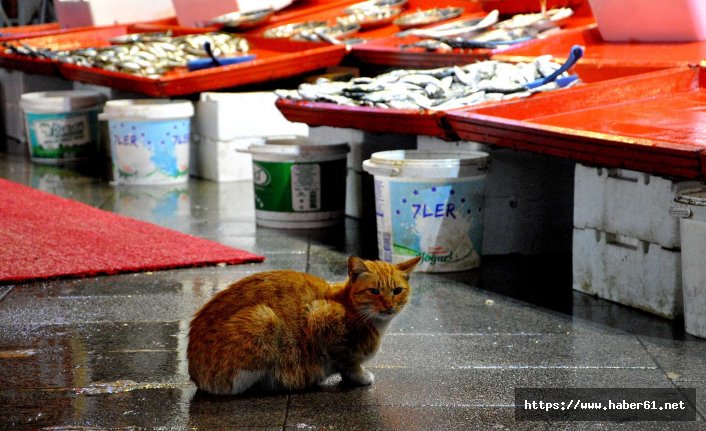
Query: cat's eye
[(374, 291), (397, 290)]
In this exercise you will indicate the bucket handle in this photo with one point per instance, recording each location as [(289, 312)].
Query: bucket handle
[(385, 171), (680, 212)]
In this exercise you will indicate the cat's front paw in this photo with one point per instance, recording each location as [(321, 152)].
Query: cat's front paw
[(361, 377)]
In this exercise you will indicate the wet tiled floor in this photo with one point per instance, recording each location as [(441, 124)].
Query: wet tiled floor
[(109, 352)]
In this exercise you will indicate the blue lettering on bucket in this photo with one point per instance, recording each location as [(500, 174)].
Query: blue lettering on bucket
[(181, 139), (441, 222), (437, 211), (125, 140), (155, 149)]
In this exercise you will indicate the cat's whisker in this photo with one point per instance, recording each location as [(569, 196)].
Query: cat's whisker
[(364, 317)]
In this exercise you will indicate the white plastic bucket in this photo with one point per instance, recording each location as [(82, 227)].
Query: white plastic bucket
[(692, 212), (61, 126), (429, 204), (299, 184), (149, 140)]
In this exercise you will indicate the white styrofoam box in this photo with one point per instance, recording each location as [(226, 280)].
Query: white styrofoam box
[(628, 270), (528, 204), (226, 116), (650, 20), (353, 137), (627, 202), (221, 161), (431, 143), (82, 13)]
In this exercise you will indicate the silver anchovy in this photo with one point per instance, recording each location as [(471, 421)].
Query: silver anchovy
[(436, 89), (150, 56)]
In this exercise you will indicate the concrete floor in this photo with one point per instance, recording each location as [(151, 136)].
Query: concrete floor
[(109, 352)]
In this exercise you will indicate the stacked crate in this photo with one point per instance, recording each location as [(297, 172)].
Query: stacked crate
[(226, 124), (626, 246)]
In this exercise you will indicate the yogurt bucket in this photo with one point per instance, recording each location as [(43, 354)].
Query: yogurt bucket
[(61, 126), (299, 184), (149, 140), (429, 204)]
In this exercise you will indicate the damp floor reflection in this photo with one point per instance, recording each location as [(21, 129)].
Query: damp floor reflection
[(109, 352)]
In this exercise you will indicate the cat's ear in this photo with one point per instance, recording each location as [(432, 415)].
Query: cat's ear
[(408, 266), (356, 267)]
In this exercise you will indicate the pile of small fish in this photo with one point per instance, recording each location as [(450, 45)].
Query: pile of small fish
[(329, 33), (289, 30), (312, 31), (437, 89), (375, 4), (428, 16), (150, 57), (370, 17), (487, 32)]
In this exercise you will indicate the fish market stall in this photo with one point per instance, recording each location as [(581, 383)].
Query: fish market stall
[(417, 101), (360, 23), (473, 36), (668, 54), (168, 63), (644, 122)]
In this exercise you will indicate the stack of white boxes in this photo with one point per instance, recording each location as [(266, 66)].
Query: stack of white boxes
[(626, 246), (225, 124)]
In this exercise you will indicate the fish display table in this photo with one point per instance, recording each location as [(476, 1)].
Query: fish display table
[(652, 123), (427, 122)]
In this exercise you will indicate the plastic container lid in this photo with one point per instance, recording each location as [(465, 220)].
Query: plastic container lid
[(146, 109), (60, 101), (430, 159), (297, 147), (427, 164)]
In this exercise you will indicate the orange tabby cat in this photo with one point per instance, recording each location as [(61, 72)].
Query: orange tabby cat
[(290, 330)]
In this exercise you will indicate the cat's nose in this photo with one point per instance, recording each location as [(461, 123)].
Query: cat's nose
[(390, 310)]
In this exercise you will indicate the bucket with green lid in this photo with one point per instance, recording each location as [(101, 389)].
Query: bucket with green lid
[(298, 183)]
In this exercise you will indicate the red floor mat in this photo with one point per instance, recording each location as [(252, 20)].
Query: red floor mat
[(46, 236)]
